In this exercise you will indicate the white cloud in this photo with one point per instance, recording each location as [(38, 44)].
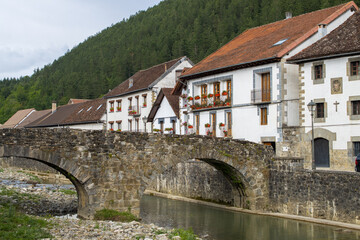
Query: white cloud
[(36, 32)]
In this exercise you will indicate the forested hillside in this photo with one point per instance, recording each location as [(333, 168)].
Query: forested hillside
[(173, 28)]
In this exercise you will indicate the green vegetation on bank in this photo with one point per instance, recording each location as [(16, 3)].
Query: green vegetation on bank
[(113, 215), (15, 225), (67, 191), (183, 234), (14, 194), (173, 28)]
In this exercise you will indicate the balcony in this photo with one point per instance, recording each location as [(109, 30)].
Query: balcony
[(259, 96), (134, 111), (209, 105)]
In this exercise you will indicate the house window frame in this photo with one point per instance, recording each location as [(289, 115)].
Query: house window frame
[(118, 105), (144, 105), (216, 88), (318, 102), (350, 107), (356, 148), (111, 103), (256, 92), (318, 80), (204, 91), (349, 70), (130, 125)]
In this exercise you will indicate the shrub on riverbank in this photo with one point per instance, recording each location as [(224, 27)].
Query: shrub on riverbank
[(183, 234), (68, 191), (113, 215), (15, 225)]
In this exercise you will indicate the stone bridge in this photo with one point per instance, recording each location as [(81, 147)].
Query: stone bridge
[(112, 170)]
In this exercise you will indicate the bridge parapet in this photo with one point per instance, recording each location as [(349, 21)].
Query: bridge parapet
[(112, 170)]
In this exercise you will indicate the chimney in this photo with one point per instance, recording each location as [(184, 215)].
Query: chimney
[(322, 30), (53, 108), (288, 15)]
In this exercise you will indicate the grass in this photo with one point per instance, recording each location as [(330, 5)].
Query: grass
[(68, 191), (183, 234), (33, 177), (14, 225), (1, 170), (17, 195), (113, 215)]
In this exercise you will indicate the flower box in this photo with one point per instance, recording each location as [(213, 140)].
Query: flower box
[(210, 95), (207, 125), (221, 125), (190, 98), (224, 93), (217, 95), (118, 109), (190, 126), (111, 109), (111, 129), (197, 97)]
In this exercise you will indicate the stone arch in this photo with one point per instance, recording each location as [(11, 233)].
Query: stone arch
[(322, 133), (52, 160)]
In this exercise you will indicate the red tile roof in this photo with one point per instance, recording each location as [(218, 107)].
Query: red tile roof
[(343, 40), (75, 101), (70, 114), (16, 119), (257, 44), (143, 79)]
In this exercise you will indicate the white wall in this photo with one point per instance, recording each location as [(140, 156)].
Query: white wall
[(166, 112)]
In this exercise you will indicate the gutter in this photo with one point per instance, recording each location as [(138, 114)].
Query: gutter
[(324, 57), (68, 124), (123, 94), (228, 68)]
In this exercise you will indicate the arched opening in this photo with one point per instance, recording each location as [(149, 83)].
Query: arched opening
[(82, 197), (321, 150)]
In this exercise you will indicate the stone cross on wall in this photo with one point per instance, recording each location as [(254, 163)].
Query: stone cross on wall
[(336, 105)]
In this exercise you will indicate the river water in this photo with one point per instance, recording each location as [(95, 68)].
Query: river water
[(221, 224)]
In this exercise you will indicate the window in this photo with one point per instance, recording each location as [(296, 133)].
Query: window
[(111, 125), (320, 113), (118, 125), (203, 94), (118, 107), (229, 123), (137, 104), (354, 68), (263, 115), (162, 126), (130, 103), (265, 87), (130, 125), (173, 126), (144, 100), (197, 124), (318, 71), (216, 91), (111, 106), (136, 124), (356, 146), (228, 89), (213, 124), (355, 107)]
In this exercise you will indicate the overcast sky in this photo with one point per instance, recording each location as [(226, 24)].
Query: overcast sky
[(34, 33)]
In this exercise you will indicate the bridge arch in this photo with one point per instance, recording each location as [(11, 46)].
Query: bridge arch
[(52, 160)]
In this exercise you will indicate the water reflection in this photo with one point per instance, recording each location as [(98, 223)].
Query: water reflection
[(220, 224)]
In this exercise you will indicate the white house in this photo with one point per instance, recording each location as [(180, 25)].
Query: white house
[(129, 104), (253, 91), (164, 114), (330, 77)]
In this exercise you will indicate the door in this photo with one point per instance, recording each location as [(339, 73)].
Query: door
[(213, 124), (197, 124), (322, 158)]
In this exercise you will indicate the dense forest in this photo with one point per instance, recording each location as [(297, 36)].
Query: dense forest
[(173, 28)]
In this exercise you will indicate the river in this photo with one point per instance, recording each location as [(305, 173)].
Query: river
[(221, 224)]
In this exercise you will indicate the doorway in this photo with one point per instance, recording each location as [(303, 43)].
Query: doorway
[(322, 157)]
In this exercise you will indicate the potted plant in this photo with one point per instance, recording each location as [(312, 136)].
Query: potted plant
[(144, 104), (197, 97), (221, 125), (204, 96), (190, 126), (190, 98), (225, 133), (224, 93), (207, 125), (217, 95), (118, 109), (111, 129), (210, 95), (119, 130), (111, 109)]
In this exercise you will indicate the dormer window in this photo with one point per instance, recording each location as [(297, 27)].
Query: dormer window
[(131, 82)]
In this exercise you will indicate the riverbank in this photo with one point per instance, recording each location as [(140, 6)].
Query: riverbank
[(279, 215), (37, 199)]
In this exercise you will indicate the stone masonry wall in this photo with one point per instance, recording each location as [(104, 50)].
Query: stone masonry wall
[(194, 179), (331, 195), (26, 164)]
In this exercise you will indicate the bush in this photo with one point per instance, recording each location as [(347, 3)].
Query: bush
[(183, 234), (113, 215)]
